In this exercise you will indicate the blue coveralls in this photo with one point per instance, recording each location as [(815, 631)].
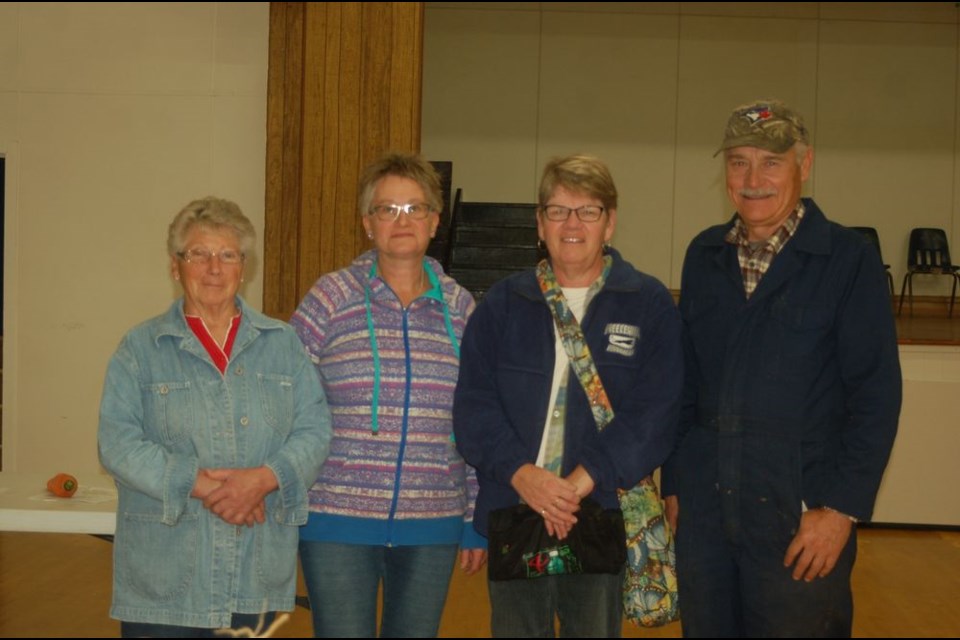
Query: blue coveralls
[(791, 398)]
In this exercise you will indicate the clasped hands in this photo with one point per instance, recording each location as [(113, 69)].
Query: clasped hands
[(556, 499), (236, 496)]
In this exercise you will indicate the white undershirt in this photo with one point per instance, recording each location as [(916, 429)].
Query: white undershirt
[(576, 299)]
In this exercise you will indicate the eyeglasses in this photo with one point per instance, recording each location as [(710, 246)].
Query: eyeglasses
[(559, 213), (203, 256), (388, 212)]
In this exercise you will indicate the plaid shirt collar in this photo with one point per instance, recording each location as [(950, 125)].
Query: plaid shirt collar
[(756, 258), (738, 233)]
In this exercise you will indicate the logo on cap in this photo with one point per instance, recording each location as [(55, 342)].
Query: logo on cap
[(757, 114)]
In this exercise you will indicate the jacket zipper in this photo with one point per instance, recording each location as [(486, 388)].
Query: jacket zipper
[(403, 433)]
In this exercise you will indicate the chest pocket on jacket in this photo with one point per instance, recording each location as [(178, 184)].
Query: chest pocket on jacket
[(797, 339), (276, 397), (618, 373), (169, 410)]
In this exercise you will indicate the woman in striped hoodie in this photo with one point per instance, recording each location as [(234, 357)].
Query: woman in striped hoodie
[(394, 500)]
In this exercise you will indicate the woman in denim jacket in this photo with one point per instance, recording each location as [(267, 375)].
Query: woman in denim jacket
[(213, 424)]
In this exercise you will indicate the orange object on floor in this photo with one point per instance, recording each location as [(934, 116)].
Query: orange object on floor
[(63, 485)]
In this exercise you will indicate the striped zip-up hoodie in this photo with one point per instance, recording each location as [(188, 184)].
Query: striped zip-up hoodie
[(397, 480)]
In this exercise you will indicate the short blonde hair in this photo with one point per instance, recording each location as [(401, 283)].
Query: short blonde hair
[(213, 213), (581, 173), (402, 165)]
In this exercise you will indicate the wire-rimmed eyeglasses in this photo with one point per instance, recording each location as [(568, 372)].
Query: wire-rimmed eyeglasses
[(413, 210), (199, 255)]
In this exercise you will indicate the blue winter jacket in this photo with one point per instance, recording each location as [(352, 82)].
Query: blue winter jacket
[(796, 390), (506, 372)]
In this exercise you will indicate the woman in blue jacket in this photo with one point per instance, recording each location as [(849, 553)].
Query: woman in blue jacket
[(525, 422)]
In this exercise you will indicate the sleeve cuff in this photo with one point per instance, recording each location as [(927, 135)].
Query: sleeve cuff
[(845, 515), (180, 476), (470, 538), (293, 497)]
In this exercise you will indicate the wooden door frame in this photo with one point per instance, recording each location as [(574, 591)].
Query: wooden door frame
[(344, 86)]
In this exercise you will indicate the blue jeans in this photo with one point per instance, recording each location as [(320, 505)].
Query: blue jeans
[(588, 606), (343, 579), (149, 630)]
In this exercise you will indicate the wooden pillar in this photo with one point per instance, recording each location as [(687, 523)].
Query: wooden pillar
[(344, 86)]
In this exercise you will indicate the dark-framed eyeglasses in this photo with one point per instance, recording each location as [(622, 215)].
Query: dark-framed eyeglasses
[(199, 255), (388, 212), (559, 213)]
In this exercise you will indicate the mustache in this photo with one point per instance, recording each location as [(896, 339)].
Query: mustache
[(757, 193)]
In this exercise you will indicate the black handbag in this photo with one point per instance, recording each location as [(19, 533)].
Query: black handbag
[(520, 546)]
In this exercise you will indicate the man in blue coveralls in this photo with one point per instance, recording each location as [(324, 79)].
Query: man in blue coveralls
[(791, 399)]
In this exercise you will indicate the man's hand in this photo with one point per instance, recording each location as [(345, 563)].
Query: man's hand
[(815, 549), (552, 497)]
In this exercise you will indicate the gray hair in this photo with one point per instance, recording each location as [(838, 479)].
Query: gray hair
[(212, 213), (801, 148), (402, 165)]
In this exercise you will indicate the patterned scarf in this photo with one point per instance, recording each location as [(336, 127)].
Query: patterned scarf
[(574, 342)]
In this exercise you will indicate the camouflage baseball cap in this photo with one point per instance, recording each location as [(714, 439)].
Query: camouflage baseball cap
[(766, 124)]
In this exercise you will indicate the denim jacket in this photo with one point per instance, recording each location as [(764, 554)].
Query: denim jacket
[(166, 412)]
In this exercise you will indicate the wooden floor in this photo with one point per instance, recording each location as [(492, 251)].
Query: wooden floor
[(906, 584), (933, 330), (928, 323)]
